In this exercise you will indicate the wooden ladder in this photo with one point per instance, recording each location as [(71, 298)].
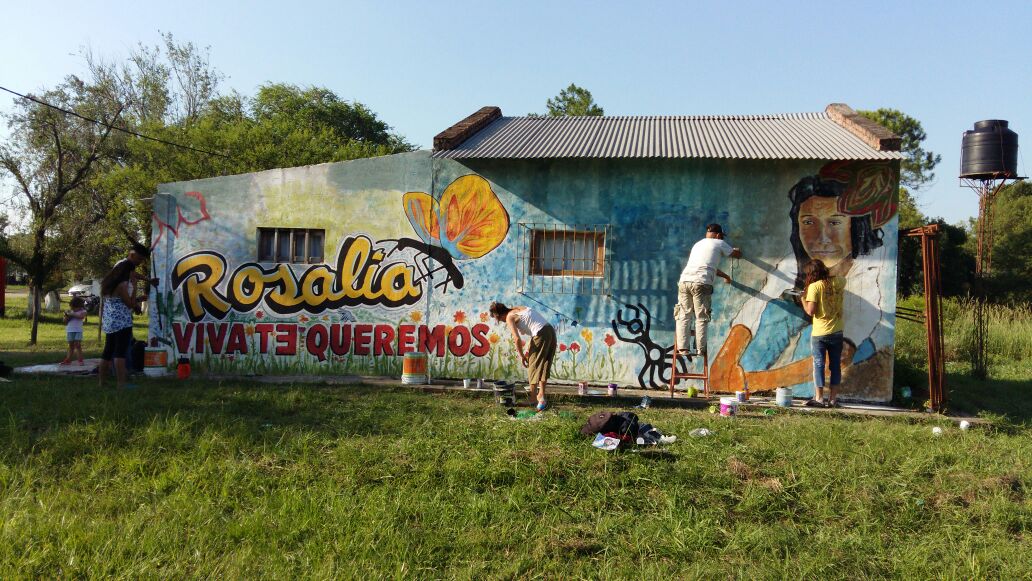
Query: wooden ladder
[(675, 376)]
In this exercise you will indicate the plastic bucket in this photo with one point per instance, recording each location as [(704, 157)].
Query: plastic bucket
[(783, 397), (741, 396), (413, 369), (728, 407), (155, 362)]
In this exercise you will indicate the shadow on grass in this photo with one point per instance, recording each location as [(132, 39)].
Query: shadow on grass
[(1008, 398), (35, 408)]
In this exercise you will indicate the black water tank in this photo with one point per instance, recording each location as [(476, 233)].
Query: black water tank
[(990, 151)]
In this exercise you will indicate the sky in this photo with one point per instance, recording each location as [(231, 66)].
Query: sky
[(422, 66)]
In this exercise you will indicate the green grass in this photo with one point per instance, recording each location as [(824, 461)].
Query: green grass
[(243, 480), (51, 342), (1007, 394)]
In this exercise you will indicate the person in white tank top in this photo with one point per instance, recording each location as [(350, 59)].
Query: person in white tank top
[(540, 349)]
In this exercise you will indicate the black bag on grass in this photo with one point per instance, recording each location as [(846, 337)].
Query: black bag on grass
[(624, 424)]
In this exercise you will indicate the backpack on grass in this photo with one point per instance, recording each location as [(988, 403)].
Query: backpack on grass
[(623, 424)]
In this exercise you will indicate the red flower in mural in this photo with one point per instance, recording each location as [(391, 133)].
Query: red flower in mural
[(562, 347), (609, 340), (460, 317), (575, 346), (303, 319), (484, 317), (259, 315)]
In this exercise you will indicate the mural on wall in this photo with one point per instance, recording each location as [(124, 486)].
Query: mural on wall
[(837, 216), (412, 267), (655, 369)]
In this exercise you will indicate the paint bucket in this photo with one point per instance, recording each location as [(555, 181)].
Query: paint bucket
[(183, 369), (783, 397), (466, 383), (505, 393), (612, 390), (413, 369), (741, 396), (728, 407), (155, 362), (582, 388)]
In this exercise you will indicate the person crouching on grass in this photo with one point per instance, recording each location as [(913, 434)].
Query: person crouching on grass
[(823, 302), (538, 357)]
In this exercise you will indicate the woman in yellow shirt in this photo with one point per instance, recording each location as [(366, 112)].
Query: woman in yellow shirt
[(823, 302)]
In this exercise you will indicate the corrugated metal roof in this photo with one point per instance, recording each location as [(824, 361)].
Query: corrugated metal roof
[(784, 136)]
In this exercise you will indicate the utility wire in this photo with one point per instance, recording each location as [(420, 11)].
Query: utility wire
[(109, 126)]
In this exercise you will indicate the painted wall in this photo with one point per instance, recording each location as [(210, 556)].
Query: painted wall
[(417, 249)]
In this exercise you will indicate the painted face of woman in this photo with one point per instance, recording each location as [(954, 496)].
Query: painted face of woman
[(824, 230)]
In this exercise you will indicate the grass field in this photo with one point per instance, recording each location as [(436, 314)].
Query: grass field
[(243, 480), (237, 479)]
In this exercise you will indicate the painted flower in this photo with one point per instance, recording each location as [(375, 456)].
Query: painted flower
[(416, 316), (259, 315), (575, 346), (326, 317), (303, 319), (494, 338), (460, 317), (562, 347), (248, 330), (484, 317), (231, 357), (588, 336), (610, 340)]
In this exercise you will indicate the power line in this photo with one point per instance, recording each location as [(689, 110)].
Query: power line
[(109, 126)]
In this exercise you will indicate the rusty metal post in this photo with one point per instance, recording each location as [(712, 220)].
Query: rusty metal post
[(933, 313)]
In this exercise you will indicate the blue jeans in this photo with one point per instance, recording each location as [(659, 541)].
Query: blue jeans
[(832, 344)]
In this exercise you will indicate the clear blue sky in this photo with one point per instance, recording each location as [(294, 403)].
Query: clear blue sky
[(423, 65)]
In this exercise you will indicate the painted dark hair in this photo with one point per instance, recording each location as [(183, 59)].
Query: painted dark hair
[(498, 310), (863, 238), (119, 274)]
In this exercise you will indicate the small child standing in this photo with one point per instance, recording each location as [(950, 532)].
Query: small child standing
[(74, 319)]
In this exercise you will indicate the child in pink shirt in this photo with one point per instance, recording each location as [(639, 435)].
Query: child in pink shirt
[(74, 319)]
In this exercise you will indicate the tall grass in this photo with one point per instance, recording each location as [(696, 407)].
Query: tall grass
[(1009, 338)]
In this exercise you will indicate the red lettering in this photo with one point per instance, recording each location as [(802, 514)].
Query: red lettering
[(432, 341), (264, 330), (482, 347), (458, 341), (183, 336), (237, 341), (286, 339), (216, 337), (363, 334), (340, 338), (406, 339), (316, 341), (383, 344), (199, 339)]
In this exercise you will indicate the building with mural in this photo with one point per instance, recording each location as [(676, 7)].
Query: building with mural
[(343, 268)]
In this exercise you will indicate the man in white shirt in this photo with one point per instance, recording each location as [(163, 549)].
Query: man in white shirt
[(695, 287)]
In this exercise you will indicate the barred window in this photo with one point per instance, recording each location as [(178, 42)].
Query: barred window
[(563, 258), (291, 245)]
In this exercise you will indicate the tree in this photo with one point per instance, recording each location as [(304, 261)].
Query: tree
[(917, 167), (574, 101), (1012, 243), (51, 157)]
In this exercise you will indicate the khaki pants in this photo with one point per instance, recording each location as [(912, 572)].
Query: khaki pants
[(540, 355), (693, 299)]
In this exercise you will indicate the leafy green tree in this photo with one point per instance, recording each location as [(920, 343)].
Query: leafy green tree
[(574, 101), (1012, 244), (918, 165), (51, 157)]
